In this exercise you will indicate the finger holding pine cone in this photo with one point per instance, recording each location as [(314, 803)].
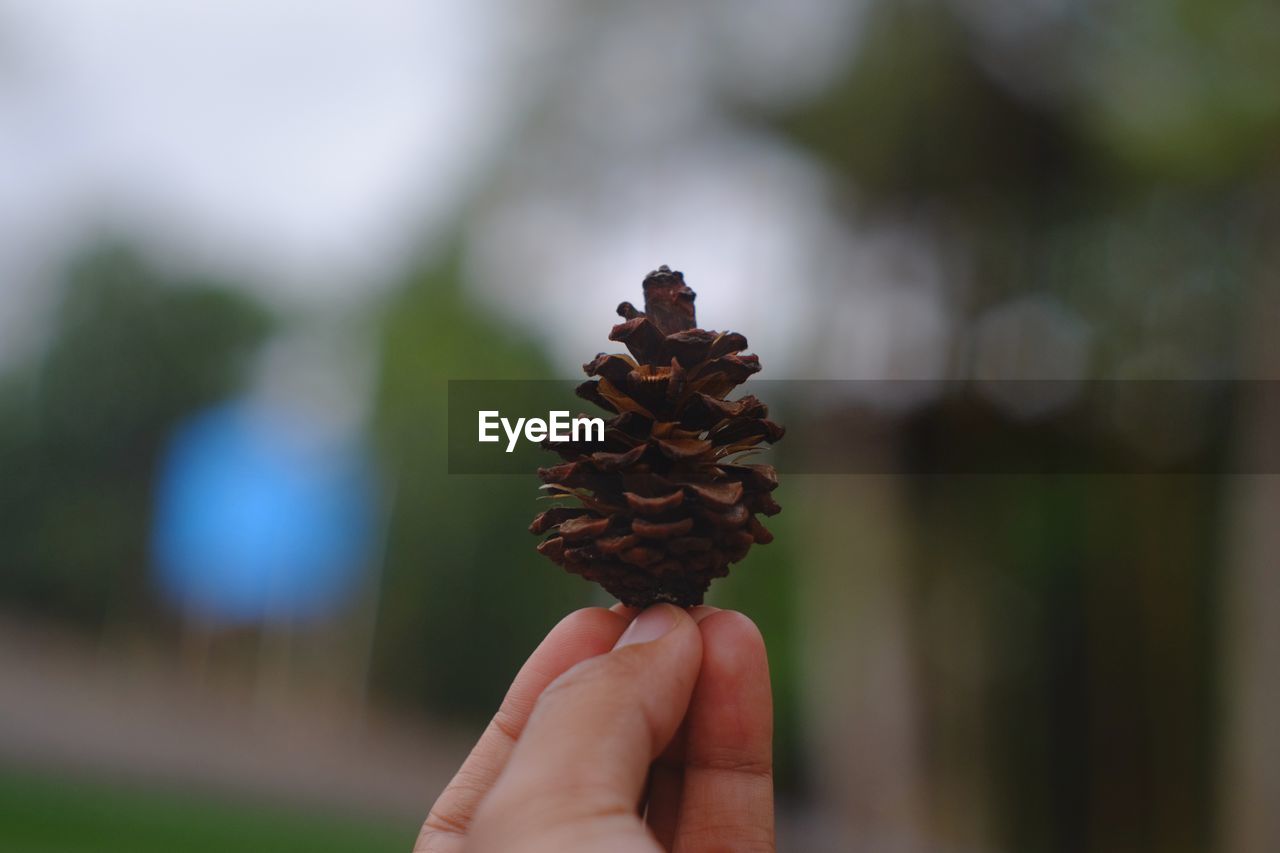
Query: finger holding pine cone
[(662, 507)]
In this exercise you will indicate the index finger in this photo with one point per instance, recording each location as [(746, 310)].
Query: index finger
[(577, 774), (580, 635)]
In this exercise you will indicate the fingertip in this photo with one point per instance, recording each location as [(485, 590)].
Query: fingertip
[(581, 634), (702, 611), (624, 610), (733, 651), (698, 612), (732, 627), (592, 618)]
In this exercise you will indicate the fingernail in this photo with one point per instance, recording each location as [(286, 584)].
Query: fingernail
[(648, 626)]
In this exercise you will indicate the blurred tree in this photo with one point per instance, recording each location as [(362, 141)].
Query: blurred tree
[(1111, 159), (464, 597), (131, 351), (914, 116)]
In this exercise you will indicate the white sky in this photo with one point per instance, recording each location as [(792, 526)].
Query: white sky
[(311, 146), (308, 143)]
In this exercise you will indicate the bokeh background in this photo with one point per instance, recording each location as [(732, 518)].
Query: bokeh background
[(246, 244)]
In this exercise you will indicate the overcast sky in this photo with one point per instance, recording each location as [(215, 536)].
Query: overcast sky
[(309, 147), (303, 143)]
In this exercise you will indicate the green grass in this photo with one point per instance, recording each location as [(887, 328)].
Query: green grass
[(40, 814)]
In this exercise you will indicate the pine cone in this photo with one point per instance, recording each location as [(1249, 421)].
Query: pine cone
[(661, 508)]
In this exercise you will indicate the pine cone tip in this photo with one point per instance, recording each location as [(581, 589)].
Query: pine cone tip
[(668, 301)]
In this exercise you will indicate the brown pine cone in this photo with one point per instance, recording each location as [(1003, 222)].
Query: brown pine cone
[(661, 507)]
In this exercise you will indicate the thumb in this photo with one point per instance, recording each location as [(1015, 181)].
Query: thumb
[(585, 753)]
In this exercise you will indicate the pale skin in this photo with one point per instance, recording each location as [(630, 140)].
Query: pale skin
[(623, 732)]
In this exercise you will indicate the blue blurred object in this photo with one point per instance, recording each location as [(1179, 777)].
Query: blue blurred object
[(261, 517)]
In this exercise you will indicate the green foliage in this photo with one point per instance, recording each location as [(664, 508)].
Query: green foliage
[(1091, 614), (914, 115), (1186, 91), (46, 815), (131, 352), (465, 597), (1139, 93), (1116, 160)]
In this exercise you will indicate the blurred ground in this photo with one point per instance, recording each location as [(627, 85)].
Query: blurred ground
[(43, 814), (101, 751), (101, 724)]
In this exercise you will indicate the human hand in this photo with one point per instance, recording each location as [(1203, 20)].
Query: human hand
[(623, 734)]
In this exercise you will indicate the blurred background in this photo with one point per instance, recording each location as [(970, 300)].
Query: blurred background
[(247, 244)]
